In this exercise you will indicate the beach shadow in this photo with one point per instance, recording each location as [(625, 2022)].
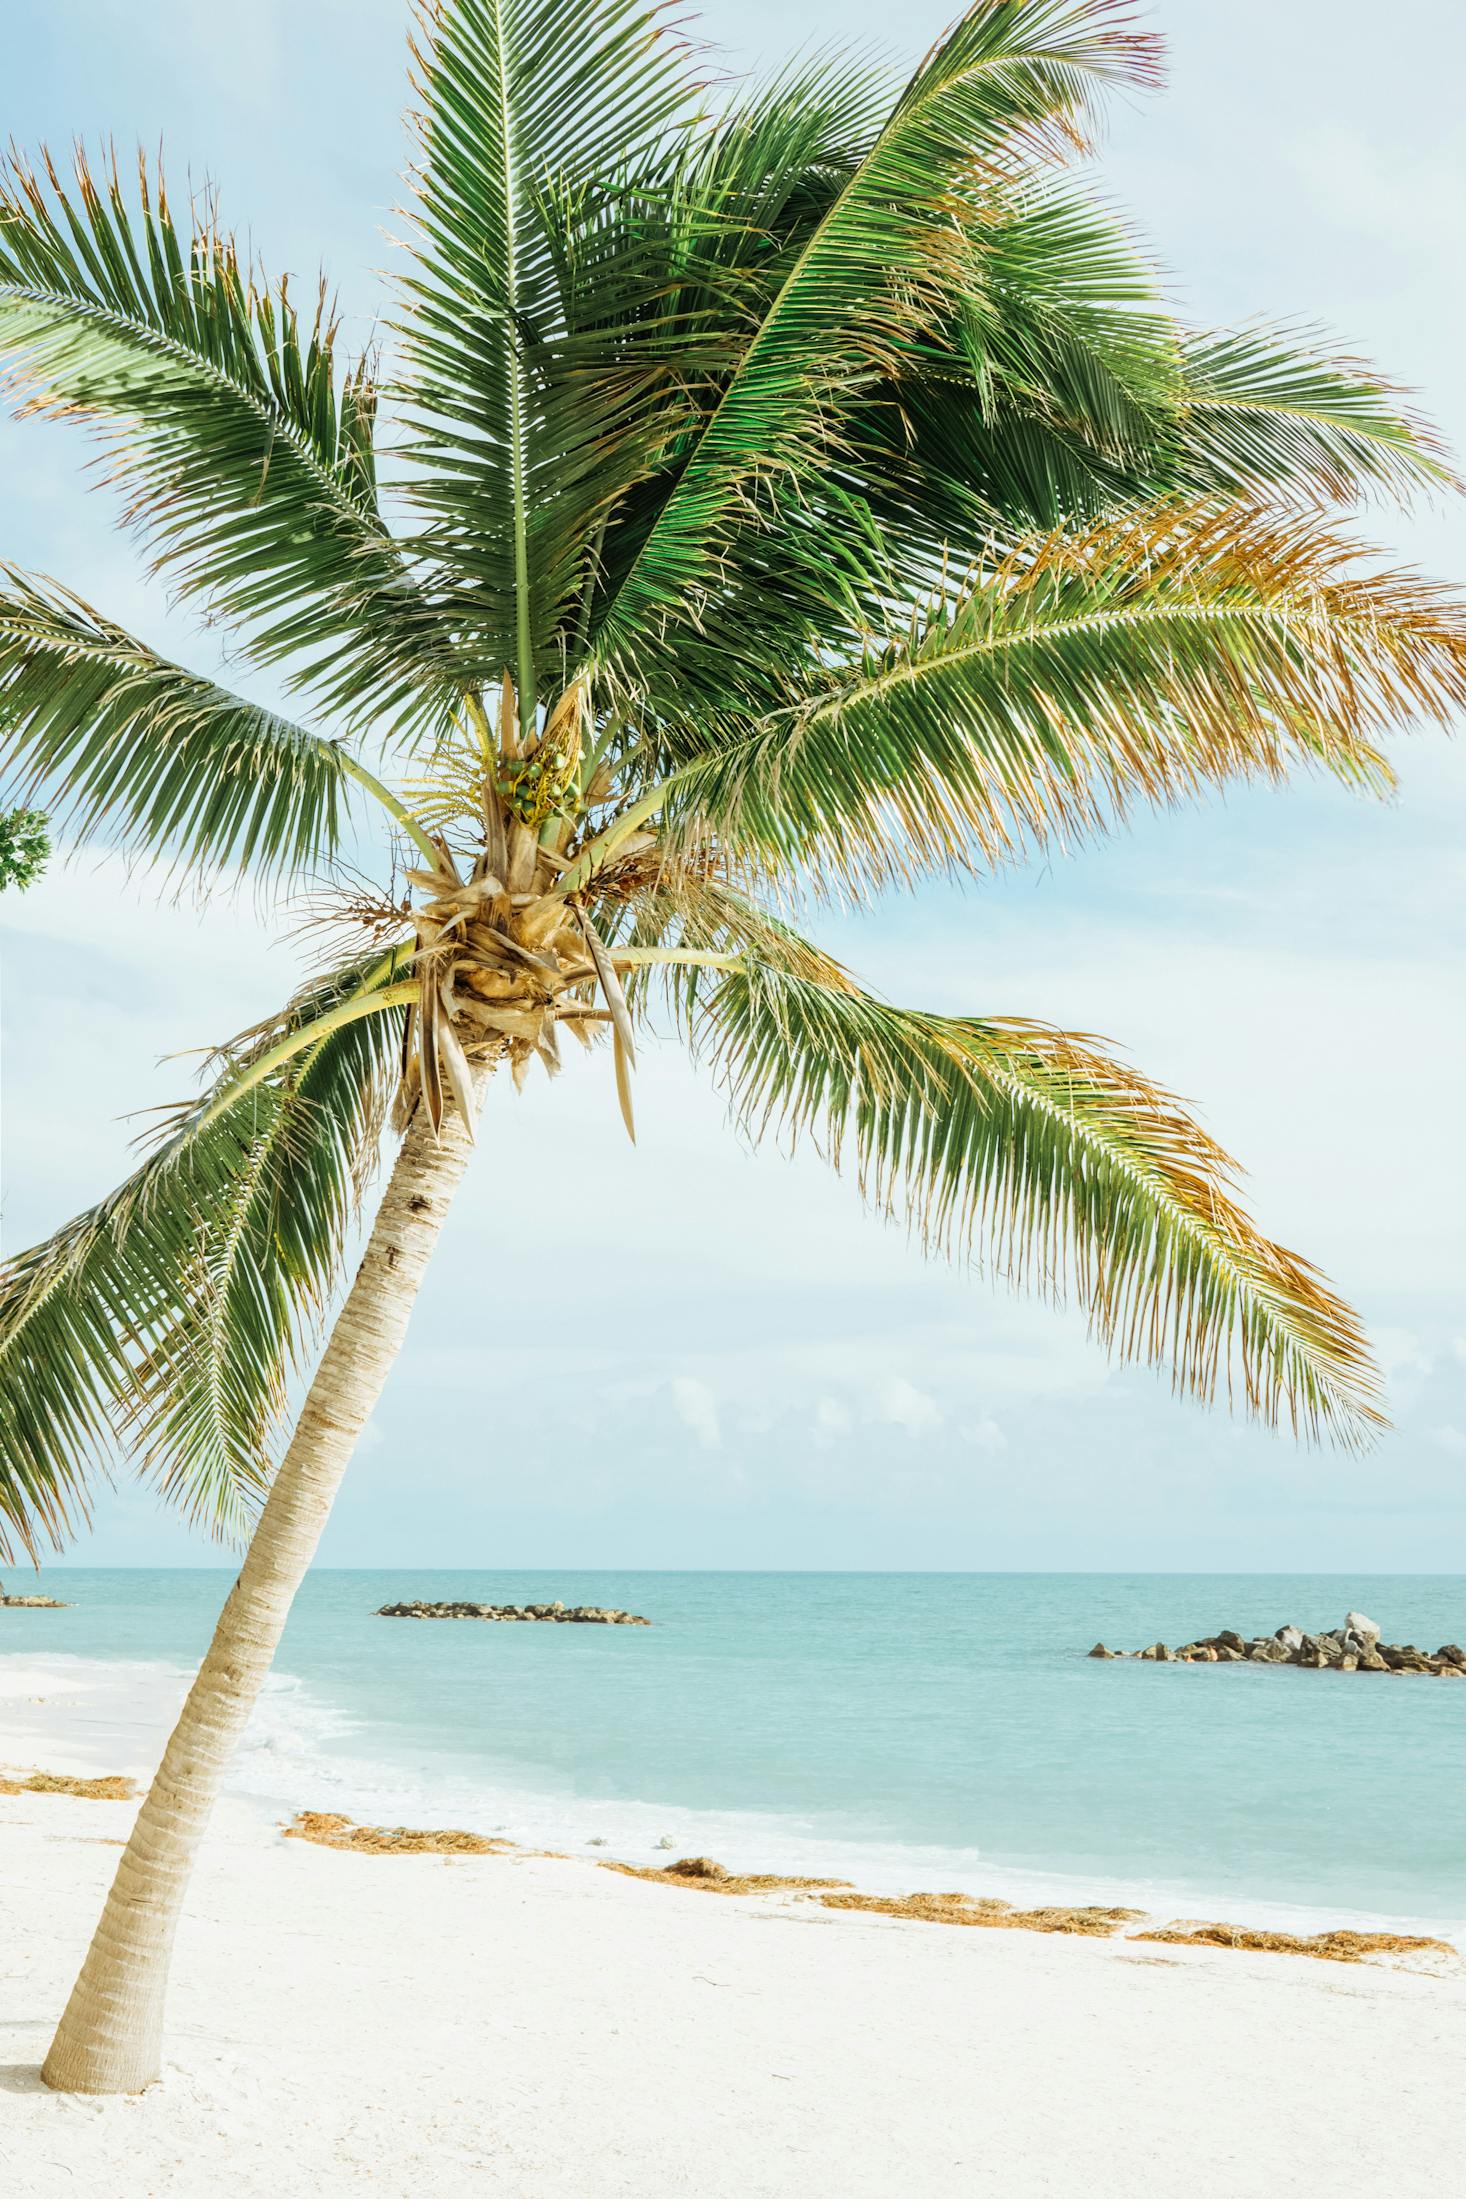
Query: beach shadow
[(21, 2077)]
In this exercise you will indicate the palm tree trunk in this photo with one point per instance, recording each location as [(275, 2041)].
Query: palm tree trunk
[(110, 2037)]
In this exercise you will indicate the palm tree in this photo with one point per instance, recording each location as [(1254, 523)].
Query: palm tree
[(792, 493)]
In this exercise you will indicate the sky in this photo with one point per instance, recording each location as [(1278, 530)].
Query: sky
[(690, 1355)]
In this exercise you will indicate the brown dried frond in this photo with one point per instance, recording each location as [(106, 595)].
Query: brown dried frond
[(327, 1829), (705, 1876), (1336, 1946), (335, 919), (1087, 1923), (111, 1788)]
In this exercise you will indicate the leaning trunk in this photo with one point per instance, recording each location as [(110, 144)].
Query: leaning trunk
[(110, 2037)]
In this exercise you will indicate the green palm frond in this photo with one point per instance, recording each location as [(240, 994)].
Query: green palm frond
[(1042, 403), (523, 100), (1064, 1168), (666, 270), (1259, 409), (1064, 315), (1142, 662), (887, 264), (166, 1321), (246, 450), (133, 749)]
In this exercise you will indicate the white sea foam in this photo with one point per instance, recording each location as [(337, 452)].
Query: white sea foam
[(35, 1682)]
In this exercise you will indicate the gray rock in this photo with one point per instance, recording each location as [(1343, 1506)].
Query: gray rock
[(546, 1614), (1355, 1647)]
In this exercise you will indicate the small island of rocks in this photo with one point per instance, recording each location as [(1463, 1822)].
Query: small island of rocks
[(1353, 1647), (549, 1614), (29, 1603)]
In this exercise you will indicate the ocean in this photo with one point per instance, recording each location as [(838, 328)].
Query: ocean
[(917, 1730)]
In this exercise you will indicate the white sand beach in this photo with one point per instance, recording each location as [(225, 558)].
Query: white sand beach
[(518, 2027)]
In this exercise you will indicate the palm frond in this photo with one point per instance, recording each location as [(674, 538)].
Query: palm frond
[(166, 1321), (1259, 409), (128, 747), (1067, 1170), (247, 451), (888, 263), (1044, 400), (665, 269), (1142, 662), (521, 101)]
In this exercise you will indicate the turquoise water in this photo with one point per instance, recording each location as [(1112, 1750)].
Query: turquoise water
[(907, 1728)]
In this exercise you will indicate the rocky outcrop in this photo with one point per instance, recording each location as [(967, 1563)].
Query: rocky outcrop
[(1353, 1647), (32, 1603), (550, 1614)]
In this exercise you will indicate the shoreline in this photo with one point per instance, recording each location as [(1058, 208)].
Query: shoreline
[(514, 2026), (75, 1736)]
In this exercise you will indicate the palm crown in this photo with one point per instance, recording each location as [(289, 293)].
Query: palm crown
[(791, 492)]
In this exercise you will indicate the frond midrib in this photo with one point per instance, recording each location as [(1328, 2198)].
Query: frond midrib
[(1036, 635), (268, 412)]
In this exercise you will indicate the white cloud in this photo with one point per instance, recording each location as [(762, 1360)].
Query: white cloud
[(900, 1404), (1401, 1352), (985, 1436), (697, 1409), (832, 1420)]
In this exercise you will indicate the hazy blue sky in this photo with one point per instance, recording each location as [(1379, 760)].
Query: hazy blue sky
[(706, 1358)]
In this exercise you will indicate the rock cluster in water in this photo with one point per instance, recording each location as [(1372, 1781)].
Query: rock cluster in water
[(553, 1614), (32, 1603), (1353, 1647)]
